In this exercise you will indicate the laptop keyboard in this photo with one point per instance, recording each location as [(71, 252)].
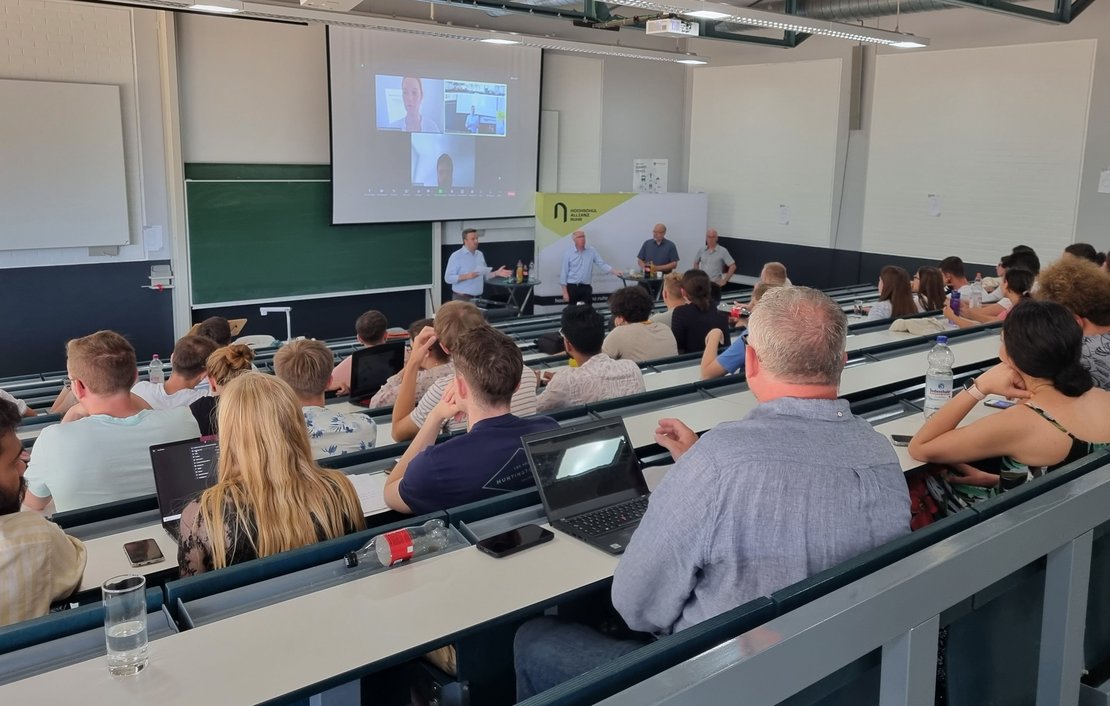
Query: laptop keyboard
[(608, 519)]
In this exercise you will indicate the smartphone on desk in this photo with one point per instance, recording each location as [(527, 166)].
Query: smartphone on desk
[(901, 439), (513, 541), (143, 552)]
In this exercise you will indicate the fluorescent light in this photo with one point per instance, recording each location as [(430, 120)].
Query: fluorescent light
[(498, 40), (707, 15), (692, 60), (909, 44), (226, 7)]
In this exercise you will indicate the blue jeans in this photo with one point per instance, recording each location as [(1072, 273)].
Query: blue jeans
[(547, 652)]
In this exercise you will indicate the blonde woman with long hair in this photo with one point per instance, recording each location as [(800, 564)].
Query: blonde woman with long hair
[(271, 496)]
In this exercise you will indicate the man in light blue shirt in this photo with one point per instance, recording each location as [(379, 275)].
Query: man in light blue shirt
[(577, 273), (467, 270), (797, 486), (472, 121)]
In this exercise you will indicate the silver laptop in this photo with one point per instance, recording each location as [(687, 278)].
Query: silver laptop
[(590, 481)]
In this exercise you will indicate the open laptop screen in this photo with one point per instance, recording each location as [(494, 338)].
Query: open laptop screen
[(371, 367), (182, 471), (584, 467)]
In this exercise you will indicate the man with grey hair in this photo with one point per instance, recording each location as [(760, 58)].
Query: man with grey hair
[(797, 486)]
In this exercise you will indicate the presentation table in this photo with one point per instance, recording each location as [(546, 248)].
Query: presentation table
[(654, 284), (514, 289)]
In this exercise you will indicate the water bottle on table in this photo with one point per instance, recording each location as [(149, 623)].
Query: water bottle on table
[(400, 545), (938, 376), (977, 291), (156, 373), (125, 624)]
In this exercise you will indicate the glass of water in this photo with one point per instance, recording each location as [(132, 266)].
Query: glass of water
[(125, 624)]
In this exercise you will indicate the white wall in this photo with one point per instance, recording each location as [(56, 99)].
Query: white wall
[(54, 40), (572, 86), (252, 92), (954, 29)]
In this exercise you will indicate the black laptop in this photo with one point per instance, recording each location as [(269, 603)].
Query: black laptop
[(590, 481), (371, 367), (182, 471)]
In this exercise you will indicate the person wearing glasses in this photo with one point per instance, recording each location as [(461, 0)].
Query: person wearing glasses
[(104, 456)]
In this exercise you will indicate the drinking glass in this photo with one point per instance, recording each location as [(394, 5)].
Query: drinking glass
[(125, 624)]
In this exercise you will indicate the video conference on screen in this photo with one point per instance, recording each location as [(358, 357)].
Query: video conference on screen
[(429, 128)]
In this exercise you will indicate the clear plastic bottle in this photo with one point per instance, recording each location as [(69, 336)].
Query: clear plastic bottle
[(519, 271), (938, 376), (977, 291), (532, 271), (399, 545), (156, 373)]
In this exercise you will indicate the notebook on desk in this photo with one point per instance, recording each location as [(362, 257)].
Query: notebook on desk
[(182, 471), (590, 481), (371, 367)]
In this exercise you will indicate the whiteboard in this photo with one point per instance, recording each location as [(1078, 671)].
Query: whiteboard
[(995, 135), (763, 145), (62, 183)]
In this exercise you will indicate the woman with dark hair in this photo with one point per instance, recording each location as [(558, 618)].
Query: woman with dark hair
[(691, 322), (1060, 417), (928, 289), (895, 295), (1017, 284)]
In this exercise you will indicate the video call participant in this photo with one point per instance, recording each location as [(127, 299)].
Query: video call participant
[(445, 171), (658, 251), (39, 563), (412, 95), (489, 459), (467, 270), (797, 486)]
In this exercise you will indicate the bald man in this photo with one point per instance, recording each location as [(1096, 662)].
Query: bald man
[(715, 260), (659, 251), (577, 273)]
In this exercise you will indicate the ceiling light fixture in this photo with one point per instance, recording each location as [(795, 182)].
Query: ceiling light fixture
[(693, 60), (499, 40), (222, 7)]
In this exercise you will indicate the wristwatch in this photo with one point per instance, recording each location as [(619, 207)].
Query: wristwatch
[(973, 390)]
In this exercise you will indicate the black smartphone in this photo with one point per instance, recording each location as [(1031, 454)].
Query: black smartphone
[(513, 541), (143, 552), (1000, 404), (901, 439)]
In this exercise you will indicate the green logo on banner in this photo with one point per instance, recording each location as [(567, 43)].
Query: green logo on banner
[(562, 214)]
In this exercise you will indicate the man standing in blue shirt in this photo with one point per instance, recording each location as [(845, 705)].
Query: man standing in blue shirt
[(577, 273), (659, 251), (467, 270), (472, 121)]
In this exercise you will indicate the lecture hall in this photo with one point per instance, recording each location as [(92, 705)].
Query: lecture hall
[(550, 352)]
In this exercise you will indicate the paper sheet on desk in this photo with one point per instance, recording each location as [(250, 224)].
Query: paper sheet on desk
[(371, 491)]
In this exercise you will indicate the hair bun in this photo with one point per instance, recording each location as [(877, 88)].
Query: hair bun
[(1073, 380)]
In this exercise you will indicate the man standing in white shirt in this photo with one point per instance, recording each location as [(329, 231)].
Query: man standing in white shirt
[(467, 270), (39, 564), (186, 372), (105, 456), (577, 273)]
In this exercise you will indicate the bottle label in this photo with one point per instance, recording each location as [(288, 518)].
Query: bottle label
[(938, 390), (400, 546)]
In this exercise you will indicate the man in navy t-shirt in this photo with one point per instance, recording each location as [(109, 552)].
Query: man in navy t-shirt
[(489, 459)]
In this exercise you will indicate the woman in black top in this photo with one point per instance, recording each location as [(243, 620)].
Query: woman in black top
[(222, 365), (693, 321)]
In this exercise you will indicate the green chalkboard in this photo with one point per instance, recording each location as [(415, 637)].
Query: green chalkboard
[(265, 232)]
